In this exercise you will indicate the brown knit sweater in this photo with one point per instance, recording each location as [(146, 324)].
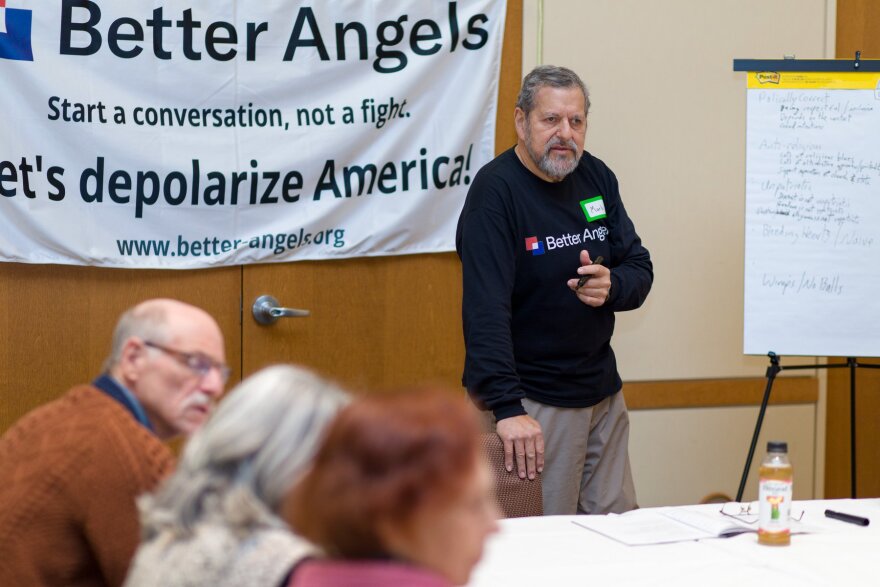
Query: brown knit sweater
[(69, 475)]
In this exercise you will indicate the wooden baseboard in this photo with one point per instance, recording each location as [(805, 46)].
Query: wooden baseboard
[(708, 393)]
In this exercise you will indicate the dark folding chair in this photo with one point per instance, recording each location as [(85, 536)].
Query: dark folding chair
[(517, 498)]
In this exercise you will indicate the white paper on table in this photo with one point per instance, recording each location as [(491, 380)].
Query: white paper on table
[(664, 525)]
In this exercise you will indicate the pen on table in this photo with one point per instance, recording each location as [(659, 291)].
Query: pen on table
[(849, 518)]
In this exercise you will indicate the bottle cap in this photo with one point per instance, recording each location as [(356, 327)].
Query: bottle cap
[(777, 446)]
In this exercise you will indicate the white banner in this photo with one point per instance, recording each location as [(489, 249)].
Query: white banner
[(197, 134)]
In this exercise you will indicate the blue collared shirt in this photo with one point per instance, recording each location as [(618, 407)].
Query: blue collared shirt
[(118, 392)]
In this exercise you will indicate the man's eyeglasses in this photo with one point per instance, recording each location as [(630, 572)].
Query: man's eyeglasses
[(196, 362), (748, 512)]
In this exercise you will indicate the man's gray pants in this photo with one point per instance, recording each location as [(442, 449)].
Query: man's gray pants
[(586, 457)]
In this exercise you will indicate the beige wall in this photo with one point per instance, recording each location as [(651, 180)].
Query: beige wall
[(705, 455), (668, 117)]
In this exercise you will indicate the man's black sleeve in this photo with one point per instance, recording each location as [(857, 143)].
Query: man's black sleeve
[(486, 247), (632, 272)]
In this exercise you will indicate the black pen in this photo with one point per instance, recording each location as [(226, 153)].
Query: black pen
[(849, 518), (583, 279)]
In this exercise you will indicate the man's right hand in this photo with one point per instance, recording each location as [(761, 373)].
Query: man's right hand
[(523, 441)]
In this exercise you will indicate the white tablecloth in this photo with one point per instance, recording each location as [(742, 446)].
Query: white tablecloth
[(553, 551)]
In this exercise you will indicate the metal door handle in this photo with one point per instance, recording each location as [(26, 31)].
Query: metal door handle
[(266, 310)]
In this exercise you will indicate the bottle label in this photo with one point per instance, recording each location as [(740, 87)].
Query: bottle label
[(774, 505)]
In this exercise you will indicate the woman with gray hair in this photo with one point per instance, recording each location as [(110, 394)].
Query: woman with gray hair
[(215, 521)]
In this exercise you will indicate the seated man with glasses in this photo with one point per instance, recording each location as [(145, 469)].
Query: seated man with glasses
[(70, 470)]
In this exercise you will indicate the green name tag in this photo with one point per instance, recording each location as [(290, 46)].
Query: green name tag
[(594, 208)]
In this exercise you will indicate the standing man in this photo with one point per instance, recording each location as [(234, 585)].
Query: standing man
[(548, 255), (70, 470)]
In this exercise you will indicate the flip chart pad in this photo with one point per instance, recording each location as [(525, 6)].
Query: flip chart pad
[(812, 218)]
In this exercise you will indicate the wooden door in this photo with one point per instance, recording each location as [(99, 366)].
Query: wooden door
[(377, 322), (56, 322), (383, 322)]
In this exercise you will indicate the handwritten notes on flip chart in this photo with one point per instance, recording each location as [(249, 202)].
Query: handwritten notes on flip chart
[(812, 243)]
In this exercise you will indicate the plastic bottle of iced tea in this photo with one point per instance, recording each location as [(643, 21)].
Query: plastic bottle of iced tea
[(774, 496)]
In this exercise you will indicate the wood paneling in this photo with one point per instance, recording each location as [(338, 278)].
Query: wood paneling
[(837, 435), (56, 322), (710, 393), (857, 24), (511, 76)]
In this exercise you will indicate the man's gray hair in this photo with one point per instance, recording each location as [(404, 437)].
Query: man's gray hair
[(147, 321), (238, 468), (549, 76)]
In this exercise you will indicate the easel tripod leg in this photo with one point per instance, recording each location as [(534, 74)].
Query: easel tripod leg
[(772, 371)]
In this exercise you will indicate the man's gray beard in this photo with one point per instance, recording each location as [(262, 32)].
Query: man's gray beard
[(554, 168)]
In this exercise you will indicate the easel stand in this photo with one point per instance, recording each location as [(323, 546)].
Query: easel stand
[(852, 364)]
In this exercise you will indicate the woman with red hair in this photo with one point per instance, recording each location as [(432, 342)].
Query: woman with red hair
[(398, 494)]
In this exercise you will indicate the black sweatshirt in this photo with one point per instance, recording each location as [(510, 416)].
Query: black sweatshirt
[(519, 239)]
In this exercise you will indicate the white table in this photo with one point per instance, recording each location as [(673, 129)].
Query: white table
[(553, 551)]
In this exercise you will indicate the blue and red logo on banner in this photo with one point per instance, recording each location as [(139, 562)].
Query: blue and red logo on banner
[(15, 33)]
